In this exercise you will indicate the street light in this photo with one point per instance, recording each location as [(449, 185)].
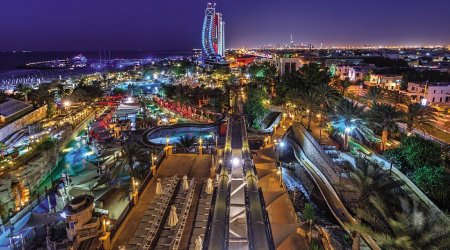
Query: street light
[(279, 147)]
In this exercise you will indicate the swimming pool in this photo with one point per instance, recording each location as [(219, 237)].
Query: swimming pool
[(173, 133)]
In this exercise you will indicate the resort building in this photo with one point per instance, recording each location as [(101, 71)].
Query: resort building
[(429, 93), (287, 65), (389, 82), (15, 115)]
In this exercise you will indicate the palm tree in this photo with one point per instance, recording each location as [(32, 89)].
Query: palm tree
[(397, 98), (374, 95), (420, 117), (309, 100), (23, 90), (343, 85), (3, 96), (3, 148), (309, 215), (328, 96), (187, 141), (385, 118), (131, 154), (410, 228), (369, 179), (348, 118)]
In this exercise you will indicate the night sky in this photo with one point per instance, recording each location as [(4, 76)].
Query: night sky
[(176, 24)]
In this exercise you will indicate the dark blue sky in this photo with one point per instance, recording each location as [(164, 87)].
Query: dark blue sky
[(176, 24)]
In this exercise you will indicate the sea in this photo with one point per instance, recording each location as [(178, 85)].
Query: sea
[(10, 61)]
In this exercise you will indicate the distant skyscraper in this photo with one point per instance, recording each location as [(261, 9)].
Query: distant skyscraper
[(213, 35)]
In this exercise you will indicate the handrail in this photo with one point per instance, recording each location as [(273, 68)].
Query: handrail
[(217, 238), (258, 225)]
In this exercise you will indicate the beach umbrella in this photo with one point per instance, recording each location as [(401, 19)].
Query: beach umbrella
[(209, 186), (198, 243), (185, 183), (159, 187), (173, 217)]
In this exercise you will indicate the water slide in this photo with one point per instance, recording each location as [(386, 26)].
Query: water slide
[(332, 199)]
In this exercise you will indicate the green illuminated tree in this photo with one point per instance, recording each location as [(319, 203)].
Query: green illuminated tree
[(309, 215), (348, 119)]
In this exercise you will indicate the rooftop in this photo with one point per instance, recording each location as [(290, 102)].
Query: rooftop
[(12, 106)]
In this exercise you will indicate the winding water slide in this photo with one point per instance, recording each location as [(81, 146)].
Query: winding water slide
[(330, 196)]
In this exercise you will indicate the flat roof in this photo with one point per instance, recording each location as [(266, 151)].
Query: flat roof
[(12, 106)]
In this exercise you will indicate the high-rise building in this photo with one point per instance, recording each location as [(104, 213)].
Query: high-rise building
[(213, 35)]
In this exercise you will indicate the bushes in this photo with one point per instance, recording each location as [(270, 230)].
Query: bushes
[(255, 108), (422, 160)]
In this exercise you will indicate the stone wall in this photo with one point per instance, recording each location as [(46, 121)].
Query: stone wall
[(313, 151), (34, 116)]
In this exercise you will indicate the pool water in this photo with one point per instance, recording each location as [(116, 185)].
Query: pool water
[(147, 87), (159, 136), (70, 160)]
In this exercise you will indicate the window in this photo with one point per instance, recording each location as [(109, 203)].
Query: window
[(432, 100), (440, 99), (413, 88), (434, 91)]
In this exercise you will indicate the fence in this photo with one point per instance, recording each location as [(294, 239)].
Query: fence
[(192, 150)]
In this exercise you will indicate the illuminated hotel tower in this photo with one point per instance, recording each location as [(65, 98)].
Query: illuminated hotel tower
[(213, 35)]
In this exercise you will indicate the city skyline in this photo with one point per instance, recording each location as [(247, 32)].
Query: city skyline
[(141, 25)]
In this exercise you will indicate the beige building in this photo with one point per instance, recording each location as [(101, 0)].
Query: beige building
[(431, 93), (15, 115), (389, 82), (288, 65)]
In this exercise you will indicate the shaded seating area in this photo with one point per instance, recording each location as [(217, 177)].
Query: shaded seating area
[(170, 236), (201, 217), (153, 216)]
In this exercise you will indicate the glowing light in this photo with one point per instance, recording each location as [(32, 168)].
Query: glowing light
[(282, 144), (67, 149), (235, 161), (347, 130)]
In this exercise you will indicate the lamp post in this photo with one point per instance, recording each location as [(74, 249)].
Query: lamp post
[(105, 223), (347, 131), (319, 116), (280, 146)]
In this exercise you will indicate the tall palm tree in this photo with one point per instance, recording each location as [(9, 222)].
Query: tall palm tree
[(3, 96), (385, 118), (131, 154), (328, 95), (348, 119), (397, 98), (420, 117), (187, 141), (374, 95), (410, 228), (369, 179), (3, 148), (309, 100), (23, 90), (343, 85)]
